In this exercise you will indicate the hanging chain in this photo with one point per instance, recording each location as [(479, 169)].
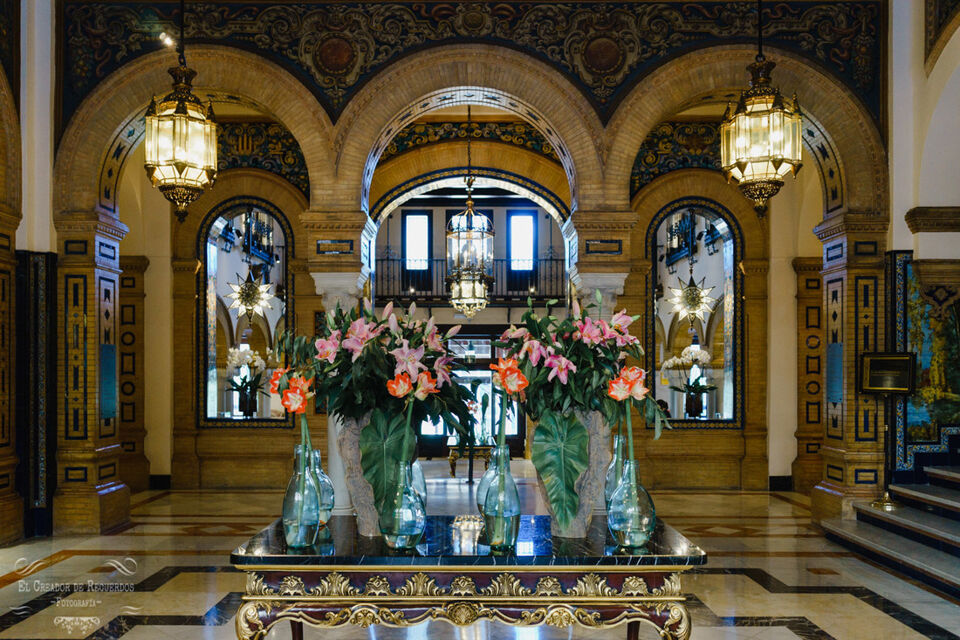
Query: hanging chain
[(469, 156), (180, 44), (760, 30)]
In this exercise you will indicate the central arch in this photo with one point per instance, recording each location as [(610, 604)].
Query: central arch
[(471, 74)]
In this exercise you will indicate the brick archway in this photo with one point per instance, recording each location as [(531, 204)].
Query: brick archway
[(467, 74), (101, 119), (717, 69)]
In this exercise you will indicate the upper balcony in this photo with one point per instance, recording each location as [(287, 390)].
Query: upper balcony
[(514, 281)]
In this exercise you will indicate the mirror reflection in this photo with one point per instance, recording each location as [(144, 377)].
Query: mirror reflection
[(246, 270), (694, 279)]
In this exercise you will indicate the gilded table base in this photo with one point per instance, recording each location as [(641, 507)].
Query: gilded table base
[(481, 452), (522, 598)]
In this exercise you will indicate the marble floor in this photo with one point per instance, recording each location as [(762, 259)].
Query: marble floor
[(770, 574)]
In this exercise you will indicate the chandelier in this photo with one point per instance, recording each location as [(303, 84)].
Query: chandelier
[(469, 251), (181, 138), (760, 135), (691, 300), (250, 296)]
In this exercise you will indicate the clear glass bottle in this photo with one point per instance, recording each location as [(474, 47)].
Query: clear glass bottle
[(631, 516), (402, 517), (301, 504), (495, 455), (501, 508), (419, 481), (324, 488), (614, 471)]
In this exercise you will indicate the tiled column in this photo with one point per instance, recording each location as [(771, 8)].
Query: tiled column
[(807, 467), (754, 466), (90, 497), (11, 505), (134, 466), (852, 452), (184, 461)]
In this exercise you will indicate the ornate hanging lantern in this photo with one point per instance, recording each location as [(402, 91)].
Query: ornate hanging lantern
[(469, 252), (760, 135), (181, 138), (250, 296)]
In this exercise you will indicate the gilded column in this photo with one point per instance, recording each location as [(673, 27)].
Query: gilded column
[(853, 309), (11, 505), (91, 497), (807, 467), (134, 466)]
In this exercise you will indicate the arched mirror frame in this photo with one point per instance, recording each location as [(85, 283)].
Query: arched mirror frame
[(710, 209), (201, 337)]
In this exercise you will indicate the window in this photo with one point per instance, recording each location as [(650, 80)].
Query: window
[(522, 238), (416, 241)]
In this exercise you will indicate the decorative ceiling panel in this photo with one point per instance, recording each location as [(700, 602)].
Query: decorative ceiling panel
[(604, 48)]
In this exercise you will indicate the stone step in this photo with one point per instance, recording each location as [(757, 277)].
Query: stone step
[(935, 567), (936, 496), (921, 526), (948, 476)]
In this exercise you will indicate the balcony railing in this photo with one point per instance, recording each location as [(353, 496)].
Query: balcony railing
[(546, 278)]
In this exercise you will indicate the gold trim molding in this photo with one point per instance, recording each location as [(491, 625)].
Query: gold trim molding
[(933, 219)]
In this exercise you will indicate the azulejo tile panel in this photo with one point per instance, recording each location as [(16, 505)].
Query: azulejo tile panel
[(676, 145), (604, 48)]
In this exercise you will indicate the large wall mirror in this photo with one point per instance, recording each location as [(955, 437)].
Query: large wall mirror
[(696, 321), (242, 241)]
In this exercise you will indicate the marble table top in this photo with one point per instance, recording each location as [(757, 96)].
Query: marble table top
[(447, 544)]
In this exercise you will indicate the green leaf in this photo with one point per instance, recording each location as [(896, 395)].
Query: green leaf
[(560, 453), (381, 444)]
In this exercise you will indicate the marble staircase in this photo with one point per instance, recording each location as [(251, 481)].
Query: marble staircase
[(920, 537)]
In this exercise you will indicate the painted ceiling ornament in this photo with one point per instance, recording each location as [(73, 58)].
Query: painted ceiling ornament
[(181, 137), (760, 135), (692, 300), (251, 296)]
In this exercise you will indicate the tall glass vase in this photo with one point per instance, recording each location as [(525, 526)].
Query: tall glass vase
[(402, 516), (631, 516), (301, 503), (501, 508), (419, 481), (484, 485), (614, 471), (324, 488)]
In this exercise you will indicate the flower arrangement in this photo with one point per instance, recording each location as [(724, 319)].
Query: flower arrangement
[(394, 371), (249, 385), (679, 368), (569, 364)]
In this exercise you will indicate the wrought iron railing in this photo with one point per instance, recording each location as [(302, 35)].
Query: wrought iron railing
[(545, 278)]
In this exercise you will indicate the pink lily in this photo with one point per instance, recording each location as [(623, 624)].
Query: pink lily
[(454, 330), (327, 349), (358, 335), (560, 367), (387, 310), (393, 324), (433, 341), (620, 320), (590, 332), (534, 350), (522, 332), (408, 360), (576, 308), (442, 369)]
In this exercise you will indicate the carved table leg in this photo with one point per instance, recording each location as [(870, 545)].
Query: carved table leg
[(453, 463), (633, 630), (296, 629)]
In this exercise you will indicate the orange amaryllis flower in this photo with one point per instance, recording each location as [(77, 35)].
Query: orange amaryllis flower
[(633, 374), (638, 391), (294, 400), (619, 389), (301, 384), (275, 380), (513, 381), (502, 365), (400, 386), (426, 384)]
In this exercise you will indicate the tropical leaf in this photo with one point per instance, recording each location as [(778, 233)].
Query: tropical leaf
[(381, 447), (560, 454)]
